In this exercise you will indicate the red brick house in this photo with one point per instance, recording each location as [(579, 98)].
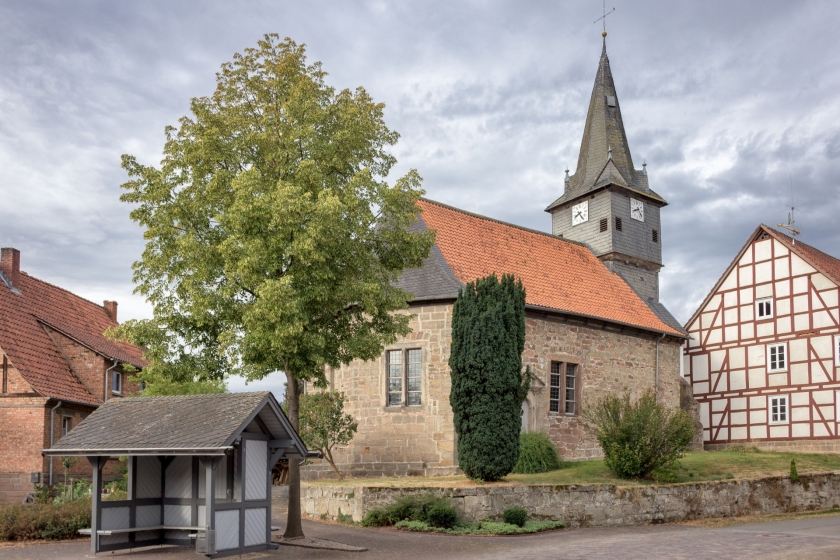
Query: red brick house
[(56, 367)]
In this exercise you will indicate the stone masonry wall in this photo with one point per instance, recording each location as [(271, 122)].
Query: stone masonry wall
[(794, 446), (420, 440), (596, 505)]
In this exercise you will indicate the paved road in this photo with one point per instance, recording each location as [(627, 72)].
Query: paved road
[(812, 539)]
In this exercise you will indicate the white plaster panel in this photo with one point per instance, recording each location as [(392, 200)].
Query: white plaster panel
[(763, 273), (783, 306), (758, 416), (730, 334), (801, 430), (739, 433), (827, 411), (758, 432), (782, 288), (758, 403), (755, 355), (718, 405), (799, 374), (736, 357), (730, 316), (747, 312), (829, 297), (762, 250), (731, 281), (779, 431), (746, 258), (776, 379), (737, 380), (820, 431), (799, 399), (758, 378), (822, 319), (800, 304), (706, 320), (716, 359), (723, 434), (817, 373), (765, 329), (779, 249), (798, 266), (822, 346), (820, 282), (704, 414), (800, 413), (800, 284), (700, 367), (738, 403), (765, 290), (746, 296), (719, 385), (801, 322), (745, 276), (701, 388), (781, 267), (714, 337), (713, 304), (783, 325), (747, 331), (738, 418), (823, 397)]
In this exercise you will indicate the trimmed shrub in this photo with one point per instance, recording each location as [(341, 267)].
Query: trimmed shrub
[(536, 454), (515, 516), (44, 521), (639, 437), (488, 336), (442, 516), (794, 476)]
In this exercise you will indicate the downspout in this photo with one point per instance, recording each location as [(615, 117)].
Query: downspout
[(656, 382), (107, 371), (52, 438)]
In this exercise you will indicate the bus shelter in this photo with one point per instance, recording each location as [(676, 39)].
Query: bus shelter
[(199, 470)]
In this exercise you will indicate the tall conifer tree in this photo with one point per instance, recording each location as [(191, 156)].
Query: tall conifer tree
[(488, 336)]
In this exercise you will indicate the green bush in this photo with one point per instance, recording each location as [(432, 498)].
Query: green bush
[(639, 437), (485, 362), (428, 509), (536, 454), (794, 476), (442, 515), (44, 520), (515, 516)]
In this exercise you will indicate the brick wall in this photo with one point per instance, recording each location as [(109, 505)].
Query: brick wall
[(423, 437), (88, 366)]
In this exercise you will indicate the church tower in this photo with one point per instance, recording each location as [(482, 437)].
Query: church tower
[(607, 203)]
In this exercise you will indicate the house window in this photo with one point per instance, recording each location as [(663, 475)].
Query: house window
[(66, 424), (618, 224), (764, 308), (116, 383), (602, 225), (404, 376), (655, 234), (777, 357), (778, 409), (563, 388)]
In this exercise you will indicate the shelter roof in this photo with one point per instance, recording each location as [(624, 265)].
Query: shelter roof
[(34, 304), (173, 425), (558, 274)]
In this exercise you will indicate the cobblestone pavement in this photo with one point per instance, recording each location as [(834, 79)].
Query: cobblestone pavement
[(812, 539)]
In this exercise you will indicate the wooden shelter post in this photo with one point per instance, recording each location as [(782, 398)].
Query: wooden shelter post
[(96, 464)]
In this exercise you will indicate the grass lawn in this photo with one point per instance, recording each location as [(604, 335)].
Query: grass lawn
[(694, 467)]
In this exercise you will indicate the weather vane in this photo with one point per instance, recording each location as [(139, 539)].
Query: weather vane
[(603, 18)]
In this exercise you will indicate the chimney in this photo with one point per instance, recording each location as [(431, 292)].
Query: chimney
[(10, 265), (110, 309)]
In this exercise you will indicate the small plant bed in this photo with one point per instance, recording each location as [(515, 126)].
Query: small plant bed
[(482, 527)]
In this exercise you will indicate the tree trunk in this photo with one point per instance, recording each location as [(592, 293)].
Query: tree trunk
[(328, 456), (294, 528)]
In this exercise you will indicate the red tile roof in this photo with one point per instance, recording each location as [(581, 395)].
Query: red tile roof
[(32, 352), (557, 274), (823, 262)]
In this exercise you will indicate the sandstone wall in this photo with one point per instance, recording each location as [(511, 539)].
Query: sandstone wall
[(596, 505), (794, 446)]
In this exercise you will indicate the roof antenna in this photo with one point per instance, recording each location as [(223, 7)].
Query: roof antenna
[(603, 19), (791, 225), (609, 153)]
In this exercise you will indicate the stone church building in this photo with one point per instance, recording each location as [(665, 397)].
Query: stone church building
[(594, 323)]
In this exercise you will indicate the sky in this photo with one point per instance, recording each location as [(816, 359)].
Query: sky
[(733, 104)]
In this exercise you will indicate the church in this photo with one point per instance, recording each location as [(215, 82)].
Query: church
[(594, 323)]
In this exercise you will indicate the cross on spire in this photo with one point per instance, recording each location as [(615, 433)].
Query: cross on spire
[(603, 19)]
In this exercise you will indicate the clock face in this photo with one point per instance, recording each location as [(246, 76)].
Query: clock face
[(580, 213), (637, 209)]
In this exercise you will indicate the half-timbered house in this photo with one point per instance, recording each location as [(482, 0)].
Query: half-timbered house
[(765, 349)]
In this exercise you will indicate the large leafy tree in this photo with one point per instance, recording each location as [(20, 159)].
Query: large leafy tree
[(273, 241), (488, 385)]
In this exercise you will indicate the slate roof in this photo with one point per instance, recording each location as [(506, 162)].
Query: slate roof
[(23, 314), (184, 422), (604, 152), (558, 274), (825, 263)]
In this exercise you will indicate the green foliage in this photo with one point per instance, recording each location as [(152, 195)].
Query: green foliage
[(43, 494), (794, 476), (443, 515), (159, 385), (76, 490), (273, 241), (515, 516), (409, 508), (481, 528), (323, 424), (44, 520), (639, 437), (488, 336), (536, 454)]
